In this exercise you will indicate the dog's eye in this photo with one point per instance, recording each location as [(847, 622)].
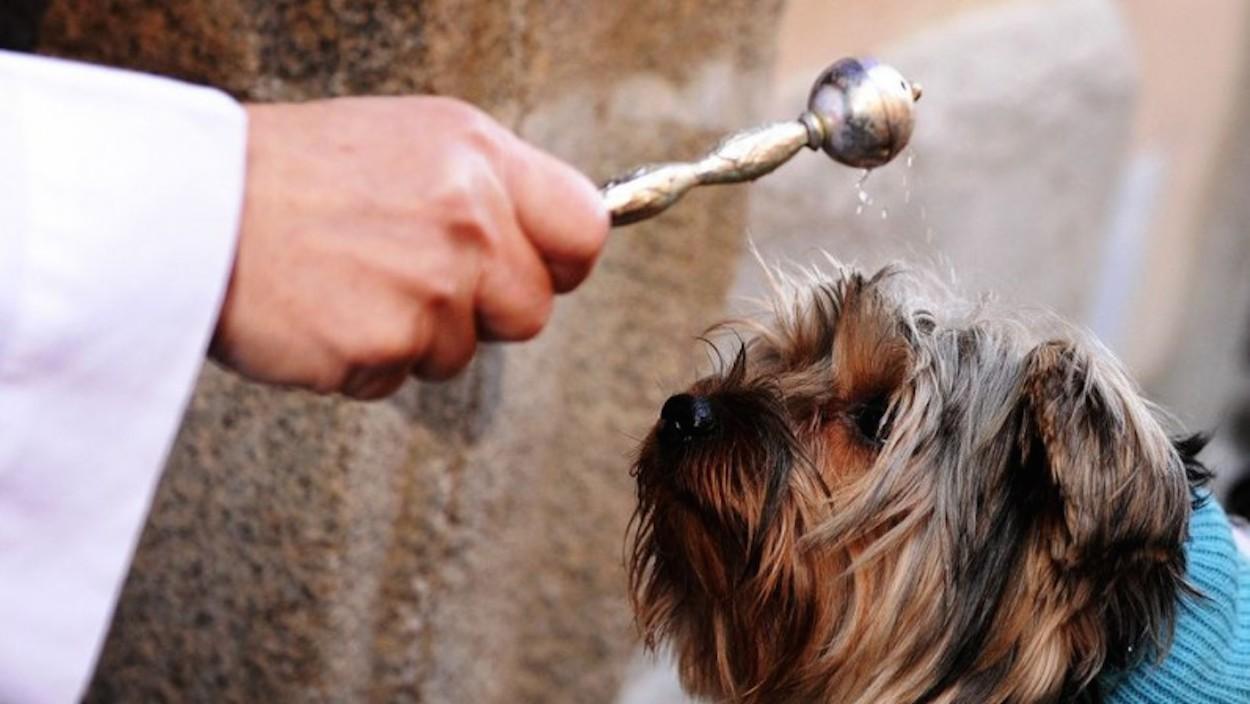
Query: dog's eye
[(868, 418)]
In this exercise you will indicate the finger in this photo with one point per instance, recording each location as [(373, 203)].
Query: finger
[(514, 295), (516, 298), (369, 384), (560, 211), (452, 346)]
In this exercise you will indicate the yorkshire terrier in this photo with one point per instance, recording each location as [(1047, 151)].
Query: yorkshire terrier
[(885, 500)]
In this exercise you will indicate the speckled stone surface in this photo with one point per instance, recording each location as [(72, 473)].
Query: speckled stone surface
[(459, 542)]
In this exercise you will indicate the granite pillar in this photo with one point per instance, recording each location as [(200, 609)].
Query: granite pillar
[(459, 542)]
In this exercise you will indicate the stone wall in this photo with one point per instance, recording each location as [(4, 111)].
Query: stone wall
[(459, 542)]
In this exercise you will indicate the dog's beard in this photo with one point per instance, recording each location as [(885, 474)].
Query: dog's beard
[(716, 560), (887, 510)]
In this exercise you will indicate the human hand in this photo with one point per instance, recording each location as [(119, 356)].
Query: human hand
[(383, 237)]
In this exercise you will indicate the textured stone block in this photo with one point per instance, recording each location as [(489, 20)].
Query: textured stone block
[(462, 542)]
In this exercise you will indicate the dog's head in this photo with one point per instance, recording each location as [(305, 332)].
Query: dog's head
[(878, 501)]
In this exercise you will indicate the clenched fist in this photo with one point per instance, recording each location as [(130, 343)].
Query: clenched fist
[(383, 237)]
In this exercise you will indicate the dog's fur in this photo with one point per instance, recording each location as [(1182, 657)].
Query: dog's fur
[(910, 502)]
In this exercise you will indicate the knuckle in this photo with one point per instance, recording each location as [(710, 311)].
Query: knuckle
[(465, 202), (389, 345), (468, 125), (440, 293), (474, 231), (456, 196), (481, 132)]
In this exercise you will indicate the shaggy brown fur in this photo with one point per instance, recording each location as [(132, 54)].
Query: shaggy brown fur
[(892, 506)]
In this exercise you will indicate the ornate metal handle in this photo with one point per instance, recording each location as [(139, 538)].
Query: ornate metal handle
[(744, 156), (859, 112)]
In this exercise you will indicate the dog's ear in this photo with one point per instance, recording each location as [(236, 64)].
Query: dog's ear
[(1111, 498)]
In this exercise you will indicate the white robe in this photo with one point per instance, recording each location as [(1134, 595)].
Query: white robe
[(120, 197)]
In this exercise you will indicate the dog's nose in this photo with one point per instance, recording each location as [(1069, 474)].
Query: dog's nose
[(685, 417)]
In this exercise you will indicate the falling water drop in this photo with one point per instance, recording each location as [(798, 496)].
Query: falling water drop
[(911, 158), (860, 193), (864, 199)]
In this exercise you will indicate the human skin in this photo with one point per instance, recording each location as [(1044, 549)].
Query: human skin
[(385, 237)]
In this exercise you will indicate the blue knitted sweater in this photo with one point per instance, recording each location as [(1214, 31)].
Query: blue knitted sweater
[(1209, 662)]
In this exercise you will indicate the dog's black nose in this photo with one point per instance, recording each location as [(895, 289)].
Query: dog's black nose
[(685, 417)]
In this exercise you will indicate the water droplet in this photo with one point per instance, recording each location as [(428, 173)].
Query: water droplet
[(911, 158), (860, 193), (885, 213)]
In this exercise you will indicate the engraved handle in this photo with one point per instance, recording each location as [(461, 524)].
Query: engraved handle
[(744, 156)]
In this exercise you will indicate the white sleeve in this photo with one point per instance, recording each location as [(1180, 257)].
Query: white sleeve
[(120, 196)]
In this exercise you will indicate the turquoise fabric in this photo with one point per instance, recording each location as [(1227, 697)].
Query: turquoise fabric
[(1209, 662)]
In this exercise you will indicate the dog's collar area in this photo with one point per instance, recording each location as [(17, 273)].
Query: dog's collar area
[(1209, 661)]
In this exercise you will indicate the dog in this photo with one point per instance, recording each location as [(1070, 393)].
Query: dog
[(888, 496)]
